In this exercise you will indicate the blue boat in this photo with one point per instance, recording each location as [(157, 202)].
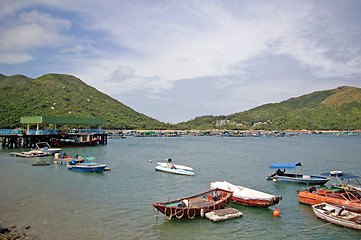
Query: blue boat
[(174, 170), (280, 174), (86, 167)]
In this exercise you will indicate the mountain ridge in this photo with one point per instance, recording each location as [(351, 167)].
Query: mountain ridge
[(68, 96)]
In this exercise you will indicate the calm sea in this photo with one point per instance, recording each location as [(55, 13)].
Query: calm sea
[(61, 204)]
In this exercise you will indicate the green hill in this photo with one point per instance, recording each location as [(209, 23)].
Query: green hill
[(336, 109), (65, 96)]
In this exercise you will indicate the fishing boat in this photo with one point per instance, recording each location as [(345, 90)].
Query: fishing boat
[(170, 167), (337, 215), (86, 167), (335, 194), (168, 162), (45, 147), (76, 140), (246, 196), (280, 175), (195, 206)]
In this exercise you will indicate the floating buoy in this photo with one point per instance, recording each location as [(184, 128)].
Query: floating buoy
[(275, 180), (150, 161), (276, 212)]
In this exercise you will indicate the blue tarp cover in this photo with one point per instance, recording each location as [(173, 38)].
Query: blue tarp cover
[(285, 165)]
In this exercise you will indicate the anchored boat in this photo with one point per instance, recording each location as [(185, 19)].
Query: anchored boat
[(195, 206), (339, 194), (170, 167), (337, 215), (280, 175), (246, 196)]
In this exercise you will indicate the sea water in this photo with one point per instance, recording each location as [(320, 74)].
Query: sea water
[(58, 203)]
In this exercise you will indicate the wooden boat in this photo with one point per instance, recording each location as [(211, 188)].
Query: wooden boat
[(87, 167), (246, 196), (40, 163), (340, 196), (30, 154), (45, 147), (280, 175), (177, 166), (337, 215), (195, 206), (174, 170)]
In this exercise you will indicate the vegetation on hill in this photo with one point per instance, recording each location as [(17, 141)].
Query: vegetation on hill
[(67, 96), (64, 96), (336, 109)]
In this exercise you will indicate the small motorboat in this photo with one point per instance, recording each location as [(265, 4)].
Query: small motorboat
[(340, 195), (246, 196), (195, 206), (280, 175), (337, 215), (41, 163), (45, 147), (86, 167), (170, 167), (177, 166)]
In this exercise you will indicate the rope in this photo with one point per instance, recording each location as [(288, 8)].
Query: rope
[(323, 225), (175, 214), (193, 215)]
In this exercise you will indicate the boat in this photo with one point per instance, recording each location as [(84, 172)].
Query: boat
[(195, 206), (177, 166), (170, 167), (336, 194), (76, 140), (174, 170), (45, 147), (63, 158), (337, 215), (86, 167), (280, 175), (246, 196), (30, 154), (40, 163)]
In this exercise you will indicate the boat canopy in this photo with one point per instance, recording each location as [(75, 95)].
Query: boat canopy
[(284, 165), (340, 174)]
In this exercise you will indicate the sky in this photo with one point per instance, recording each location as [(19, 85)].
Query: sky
[(174, 60)]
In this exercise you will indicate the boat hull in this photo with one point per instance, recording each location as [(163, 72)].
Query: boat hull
[(165, 164), (198, 205), (330, 197), (87, 167), (74, 143), (304, 179), (330, 214), (174, 171), (247, 196)]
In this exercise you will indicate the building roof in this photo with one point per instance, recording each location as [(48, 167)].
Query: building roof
[(62, 120)]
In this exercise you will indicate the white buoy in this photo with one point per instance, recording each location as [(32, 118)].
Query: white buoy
[(150, 161)]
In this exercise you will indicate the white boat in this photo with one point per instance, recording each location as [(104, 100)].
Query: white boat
[(337, 215), (246, 196), (177, 166), (174, 170), (45, 147)]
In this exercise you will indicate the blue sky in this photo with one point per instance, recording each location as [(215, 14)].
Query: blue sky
[(175, 60)]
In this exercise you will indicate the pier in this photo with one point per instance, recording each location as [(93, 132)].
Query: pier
[(28, 138)]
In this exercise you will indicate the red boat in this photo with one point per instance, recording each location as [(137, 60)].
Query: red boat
[(246, 196), (76, 140), (339, 195), (195, 206)]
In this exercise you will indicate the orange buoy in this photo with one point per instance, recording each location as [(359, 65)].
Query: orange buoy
[(276, 212)]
